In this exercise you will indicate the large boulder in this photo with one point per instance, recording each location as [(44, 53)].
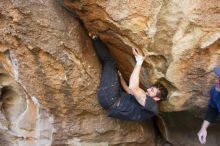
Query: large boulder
[(181, 39), (49, 74)]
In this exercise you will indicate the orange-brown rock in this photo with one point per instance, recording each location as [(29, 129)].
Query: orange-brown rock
[(49, 71)]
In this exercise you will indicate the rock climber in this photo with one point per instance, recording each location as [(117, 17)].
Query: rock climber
[(213, 108), (123, 101)]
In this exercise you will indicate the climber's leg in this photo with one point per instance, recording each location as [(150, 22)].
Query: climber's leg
[(109, 88), (102, 50)]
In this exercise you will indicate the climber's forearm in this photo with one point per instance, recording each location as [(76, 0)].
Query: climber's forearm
[(134, 79), (124, 85), (205, 124)]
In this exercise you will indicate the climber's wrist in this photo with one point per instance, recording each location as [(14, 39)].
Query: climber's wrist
[(140, 62), (139, 59)]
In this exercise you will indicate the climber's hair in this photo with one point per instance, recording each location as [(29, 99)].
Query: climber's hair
[(163, 91)]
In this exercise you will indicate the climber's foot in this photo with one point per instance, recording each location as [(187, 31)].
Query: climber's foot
[(92, 35)]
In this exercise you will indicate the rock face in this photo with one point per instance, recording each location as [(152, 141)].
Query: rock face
[(49, 75), (49, 71)]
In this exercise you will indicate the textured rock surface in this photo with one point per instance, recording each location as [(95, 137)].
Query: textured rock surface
[(49, 76), (181, 39), (23, 122), (49, 72)]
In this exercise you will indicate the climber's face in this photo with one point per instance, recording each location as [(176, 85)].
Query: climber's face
[(217, 83), (153, 92)]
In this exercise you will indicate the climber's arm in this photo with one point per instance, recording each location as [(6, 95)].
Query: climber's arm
[(124, 84), (139, 93)]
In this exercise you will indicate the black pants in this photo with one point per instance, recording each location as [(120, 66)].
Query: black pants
[(109, 88)]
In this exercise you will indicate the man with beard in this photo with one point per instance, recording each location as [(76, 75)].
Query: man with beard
[(126, 102), (213, 108)]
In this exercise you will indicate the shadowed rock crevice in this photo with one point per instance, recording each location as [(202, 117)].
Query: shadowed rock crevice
[(161, 130), (12, 104), (179, 130), (23, 121)]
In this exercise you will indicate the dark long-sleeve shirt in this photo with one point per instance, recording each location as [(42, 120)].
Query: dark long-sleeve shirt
[(213, 106)]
